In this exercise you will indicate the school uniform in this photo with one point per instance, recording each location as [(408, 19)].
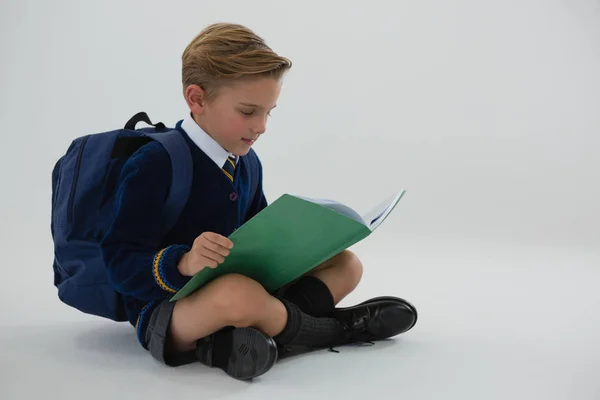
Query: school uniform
[(142, 262), (226, 192)]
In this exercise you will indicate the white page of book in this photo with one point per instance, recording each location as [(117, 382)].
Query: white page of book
[(336, 206), (378, 214)]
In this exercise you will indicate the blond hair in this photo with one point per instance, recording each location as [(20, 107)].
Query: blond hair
[(223, 53)]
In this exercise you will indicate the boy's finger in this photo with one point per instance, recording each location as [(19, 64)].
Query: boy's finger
[(219, 239), (216, 248), (212, 256), (212, 264)]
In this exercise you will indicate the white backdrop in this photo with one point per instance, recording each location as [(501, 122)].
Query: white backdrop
[(487, 112)]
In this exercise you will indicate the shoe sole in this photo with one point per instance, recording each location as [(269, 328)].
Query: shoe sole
[(252, 354), (389, 298)]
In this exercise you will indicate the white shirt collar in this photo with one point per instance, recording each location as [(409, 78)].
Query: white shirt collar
[(205, 142)]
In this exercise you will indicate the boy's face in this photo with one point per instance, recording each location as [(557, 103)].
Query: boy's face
[(238, 115)]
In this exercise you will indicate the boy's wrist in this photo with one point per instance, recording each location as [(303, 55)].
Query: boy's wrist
[(166, 268), (182, 265)]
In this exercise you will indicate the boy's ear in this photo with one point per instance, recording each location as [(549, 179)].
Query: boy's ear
[(195, 98)]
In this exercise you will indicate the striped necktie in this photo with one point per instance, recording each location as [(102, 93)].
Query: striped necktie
[(229, 167)]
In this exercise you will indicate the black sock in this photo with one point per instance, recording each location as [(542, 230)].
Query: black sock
[(305, 330), (311, 295)]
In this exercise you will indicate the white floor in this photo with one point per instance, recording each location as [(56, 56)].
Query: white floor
[(495, 323), (486, 112)]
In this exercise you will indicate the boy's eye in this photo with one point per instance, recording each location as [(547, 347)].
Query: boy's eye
[(248, 113)]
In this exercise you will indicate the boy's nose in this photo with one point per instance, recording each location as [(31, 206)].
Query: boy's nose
[(260, 127)]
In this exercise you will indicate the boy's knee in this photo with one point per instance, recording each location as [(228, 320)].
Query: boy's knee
[(238, 299), (352, 266)]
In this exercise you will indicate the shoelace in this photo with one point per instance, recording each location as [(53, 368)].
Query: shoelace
[(362, 342), (355, 324)]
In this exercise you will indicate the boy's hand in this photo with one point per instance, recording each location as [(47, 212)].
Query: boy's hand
[(209, 250)]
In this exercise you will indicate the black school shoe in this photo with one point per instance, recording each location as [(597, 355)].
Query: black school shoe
[(243, 353), (375, 319)]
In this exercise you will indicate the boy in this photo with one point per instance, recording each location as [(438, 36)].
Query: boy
[(231, 82)]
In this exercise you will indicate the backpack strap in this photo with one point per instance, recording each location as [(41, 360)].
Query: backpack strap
[(142, 117), (181, 183)]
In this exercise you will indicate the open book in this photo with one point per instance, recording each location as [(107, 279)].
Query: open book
[(290, 237)]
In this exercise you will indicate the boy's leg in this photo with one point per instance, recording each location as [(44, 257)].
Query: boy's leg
[(232, 300), (234, 324), (341, 274), (318, 291)]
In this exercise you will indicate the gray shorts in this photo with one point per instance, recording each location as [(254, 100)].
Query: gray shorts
[(158, 337)]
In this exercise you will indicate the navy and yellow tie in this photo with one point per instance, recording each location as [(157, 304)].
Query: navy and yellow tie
[(229, 167)]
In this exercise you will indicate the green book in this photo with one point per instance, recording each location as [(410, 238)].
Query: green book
[(290, 237)]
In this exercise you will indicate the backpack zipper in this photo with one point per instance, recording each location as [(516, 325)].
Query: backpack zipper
[(71, 207)]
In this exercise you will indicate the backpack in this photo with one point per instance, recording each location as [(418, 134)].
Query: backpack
[(83, 188)]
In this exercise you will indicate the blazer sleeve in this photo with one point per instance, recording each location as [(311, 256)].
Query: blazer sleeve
[(137, 265)]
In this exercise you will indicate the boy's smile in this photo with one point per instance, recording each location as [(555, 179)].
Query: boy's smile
[(238, 114)]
